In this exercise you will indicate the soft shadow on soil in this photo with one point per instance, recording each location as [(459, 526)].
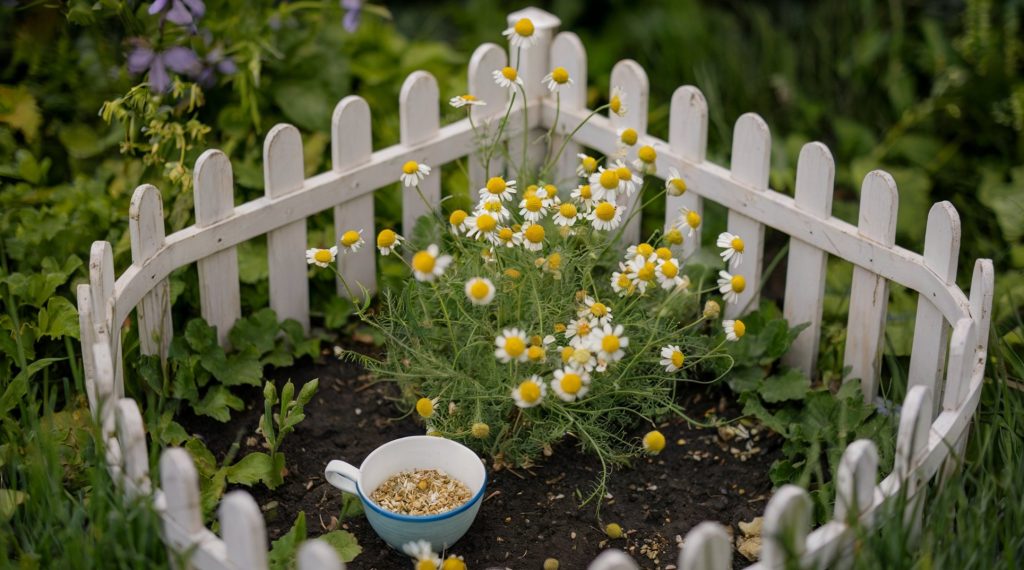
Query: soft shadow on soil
[(527, 515)]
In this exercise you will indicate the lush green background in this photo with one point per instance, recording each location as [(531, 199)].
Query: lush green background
[(931, 91)]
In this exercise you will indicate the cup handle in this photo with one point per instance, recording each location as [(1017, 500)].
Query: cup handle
[(343, 476)]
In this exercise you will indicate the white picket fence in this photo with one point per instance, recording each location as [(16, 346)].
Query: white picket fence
[(950, 336)]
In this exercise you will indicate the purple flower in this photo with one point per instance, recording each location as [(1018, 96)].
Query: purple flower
[(181, 12), (353, 13), (178, 59), (214, 63)]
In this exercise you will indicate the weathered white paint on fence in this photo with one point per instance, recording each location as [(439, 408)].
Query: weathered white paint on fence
[(532, 65), (102, 284), (182, 518), (87, 334), (131, 437), (485, 118), (806, 264), (567, 51), (869, 291), (787, 520), (912, 442), (218, 273), (282, 175), (706, 547), (420, 121), (243, 530), (351, 146), (688, 138), (931, 332), (318, 555), (855, 480), (631, 78), (750, 166), (146, 229), (613, 559)]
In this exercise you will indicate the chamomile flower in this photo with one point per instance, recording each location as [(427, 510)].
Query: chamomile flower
[(643, 272), (668, 276), (533, 208), (608, 343), (428, 264), (454, 562), (596, 310), (627, 139), (629, 181), (488, 254), (621, 283), (460, 101), (587, 166), (511, 345), (733, 252), (388, 241), (321, 257), (521, 34), (352, 240), (457, 220), (673, 236), (605, 183), (495, 207), (570, 384), (583, 196), (689, 220), (422, 554), (654, 442), (645, 160), (663, 253), (579, 330), (482, 226), (413, 173), (581, 358), (644, 250), (672, 358), (529, 392), (533, 237), (617, 101), (508, 237), (734, 330), (674, 184), (507, 77), (498, 187), (730, 286), (480, 291), (425, 407), (565, 213), (605, 216), (558, 78)]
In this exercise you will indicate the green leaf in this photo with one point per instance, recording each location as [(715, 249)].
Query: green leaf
[(308, 391), (746, 379), (337, 311), (200, 336), (304, 103), (351, 507), (218, 403), (257, 331), (202, 457), (10, 499), (170, 432), (792, 384), (18, 109), (234, 369), (18, 387), (59, 318), (283, 550), (344, 543), (252, 468)]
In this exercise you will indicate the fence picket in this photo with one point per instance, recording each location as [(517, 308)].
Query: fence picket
[(180, 484), (706, 547), (869, 292), (931, 331), (243, 531), (282, 175), (534, 63), (485, 60), (688, 137), (218, 274), (806, 264), (318, 555), (787, 521), (146, 228), (911, 444), (131, 437), (419, 121), (751, 162), (87, 335), (567, 51), (101, 282), (613, 559), (855, 480), (352, 145), (631, 78)]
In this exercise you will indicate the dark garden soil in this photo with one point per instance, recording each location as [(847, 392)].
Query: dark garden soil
[(527, 515)]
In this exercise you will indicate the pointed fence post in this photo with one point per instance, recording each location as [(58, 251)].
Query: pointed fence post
[(751, 163), (806, 264), (87, 333), (318, 555), (282, 175), (869, 292), (243, 531), (911, 444), (131, 436), (687, 137), (567, 51), (613, 559), (146, 228), (101, 281), (486, 59), (352, 145), (180, 484), (631, 78), (787, 521), (706, 547), (533, 64), (420, 121), (218, 274)]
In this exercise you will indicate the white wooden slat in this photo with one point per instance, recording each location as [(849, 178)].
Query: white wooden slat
[(855, 480), (420, 121), (912, 440), (318, 555), (102, 282), (982, 291), (218, 273), (931, 331), (750, 165), (87, 335), (486, 118), (806, 264), (146, 229), (533, 63), (613, 559), (962, 357), (352, 146), (282, 175), (567, 51), (131, 436), (824, 546), (105, 384), (180, 484), (869, 292), (706, 547), (687, 137), (243, 531), (787, 521), (631, 78)]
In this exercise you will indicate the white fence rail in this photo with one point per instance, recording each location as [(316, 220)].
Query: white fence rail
[(950, 337)]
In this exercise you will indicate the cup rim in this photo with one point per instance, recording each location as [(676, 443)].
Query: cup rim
[(419, 518)]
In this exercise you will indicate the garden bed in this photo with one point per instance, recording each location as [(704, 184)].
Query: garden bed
[(528, 514)]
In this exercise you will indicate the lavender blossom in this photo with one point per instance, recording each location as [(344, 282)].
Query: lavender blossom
[(353, 13), (178, 59), (214, 63), (181, 12)]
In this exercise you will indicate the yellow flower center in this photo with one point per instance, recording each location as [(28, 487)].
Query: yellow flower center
[(423, 262), (551, 189), (644, 249), (468, 98), (479, 289), (599, 309), (567, 353), (585, 192), (322, 255), (534, 233), (629, 136), (589, 163), (737, 244), (738, 283), (457, 217), (496, 185), (581, 356), (571, 383), (567, 210), (674, 237), (647, 154), (615, 104), (535, 353), (609, 179), (512, 273), (664, 253), (623, 173), (514, 346), (426, 565), (610, 343), (505, 234), (669, 269), (677, 359), (453, 563), (424, 407), (533, 204), (386, 238), (654, 441), (582, 328), (531, 190), (680, 184), (410, 167), (486, 223), (554, 261), (529, 391), (646, 273), (605, 211), (509, 73), (739, 328), (623, 281), (693, 219), (559, 327), (524, 27), (349, 238), (492, 206), (560, 75)]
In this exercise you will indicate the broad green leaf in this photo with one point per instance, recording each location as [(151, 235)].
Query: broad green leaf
[(257, 331), (59, 318), (200, 335), (256, 466), (745, 379), (10, 499), (18, 387), (283, 550), (790, 385), (18, 109), (344, 543), (233, 369), (218, 403), (351, 507), (202, 457)]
